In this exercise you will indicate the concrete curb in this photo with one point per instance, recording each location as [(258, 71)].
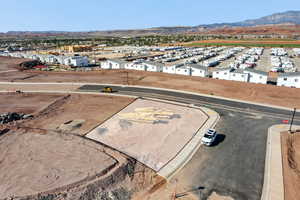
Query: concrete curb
[(273, 186), (155, 88), (186, 154)]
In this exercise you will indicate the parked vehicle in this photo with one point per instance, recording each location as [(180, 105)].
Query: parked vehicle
[(209, 137)]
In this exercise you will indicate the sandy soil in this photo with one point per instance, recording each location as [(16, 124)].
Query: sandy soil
[(290, 145), (43, 87), (34, 158), (25, 103), (8, 63), (281, 96), (152, 143), (93, 109), (32, 162)]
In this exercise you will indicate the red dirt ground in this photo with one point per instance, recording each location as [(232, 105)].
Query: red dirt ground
[(34, 158), (290, 145)]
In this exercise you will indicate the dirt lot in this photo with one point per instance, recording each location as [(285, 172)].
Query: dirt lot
[(33, 163), (25, 103), (151, 132), (291, 165), (35, 159), (10, 63), (282, 96)]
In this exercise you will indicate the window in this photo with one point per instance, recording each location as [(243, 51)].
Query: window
[(242, 76), (217, 72), (260, 77), (296, 80), (225, 73), (233, 74), (285, 79)]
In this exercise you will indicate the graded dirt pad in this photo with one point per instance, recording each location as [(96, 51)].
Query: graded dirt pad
[(8, 63), (93, 109), (290, 145), (26, 103), (35, 159), (149, 131), (32, 162), (37, 87)]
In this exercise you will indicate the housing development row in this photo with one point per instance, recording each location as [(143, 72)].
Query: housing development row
[(234, 64)]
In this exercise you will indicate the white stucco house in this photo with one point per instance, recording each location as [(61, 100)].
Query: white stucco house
[(79, 61), (291, 79), (239, 75), (129, 65), (153, 66), (113, 64), (183, 70), (198, 70), (257, 76), (138, 66), (171, 69), (223, 74)]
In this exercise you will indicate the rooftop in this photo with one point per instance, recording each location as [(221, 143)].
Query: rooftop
[(153, 63), (290, 74), (256, 71), (118, 61), (197, 66)]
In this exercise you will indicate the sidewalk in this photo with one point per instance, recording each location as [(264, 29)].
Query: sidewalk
[(186, 154), (273, 188)]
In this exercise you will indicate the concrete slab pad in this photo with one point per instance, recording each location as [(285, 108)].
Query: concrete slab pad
[(150, 131)]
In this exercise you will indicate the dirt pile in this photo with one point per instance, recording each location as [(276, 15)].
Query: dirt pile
[(6, 118)]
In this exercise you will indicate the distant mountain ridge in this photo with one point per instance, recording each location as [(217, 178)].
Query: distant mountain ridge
[(288, 17), (292, 17)]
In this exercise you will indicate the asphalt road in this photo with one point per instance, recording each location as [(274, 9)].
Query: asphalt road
[(234, 166), (195, 99)]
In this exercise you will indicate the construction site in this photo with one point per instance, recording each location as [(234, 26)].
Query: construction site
[(67, 140), (51, 159)]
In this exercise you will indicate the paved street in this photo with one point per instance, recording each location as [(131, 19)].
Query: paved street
[(235, 166)]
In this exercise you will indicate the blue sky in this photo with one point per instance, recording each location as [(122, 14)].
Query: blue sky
[(85, 15)]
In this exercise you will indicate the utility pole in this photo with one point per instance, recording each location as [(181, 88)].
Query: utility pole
[(294, 112), (127, 73)]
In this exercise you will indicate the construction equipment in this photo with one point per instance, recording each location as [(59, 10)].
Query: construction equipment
[(107, 90)]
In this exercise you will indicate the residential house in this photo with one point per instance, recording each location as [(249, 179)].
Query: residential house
[(198, 70), (291, 79), (239, 75), (113, 64), (257, 76), (153, 67), (183, 70), (223, 74)]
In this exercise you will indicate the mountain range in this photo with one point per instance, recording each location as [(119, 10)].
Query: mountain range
[(288, 21)]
